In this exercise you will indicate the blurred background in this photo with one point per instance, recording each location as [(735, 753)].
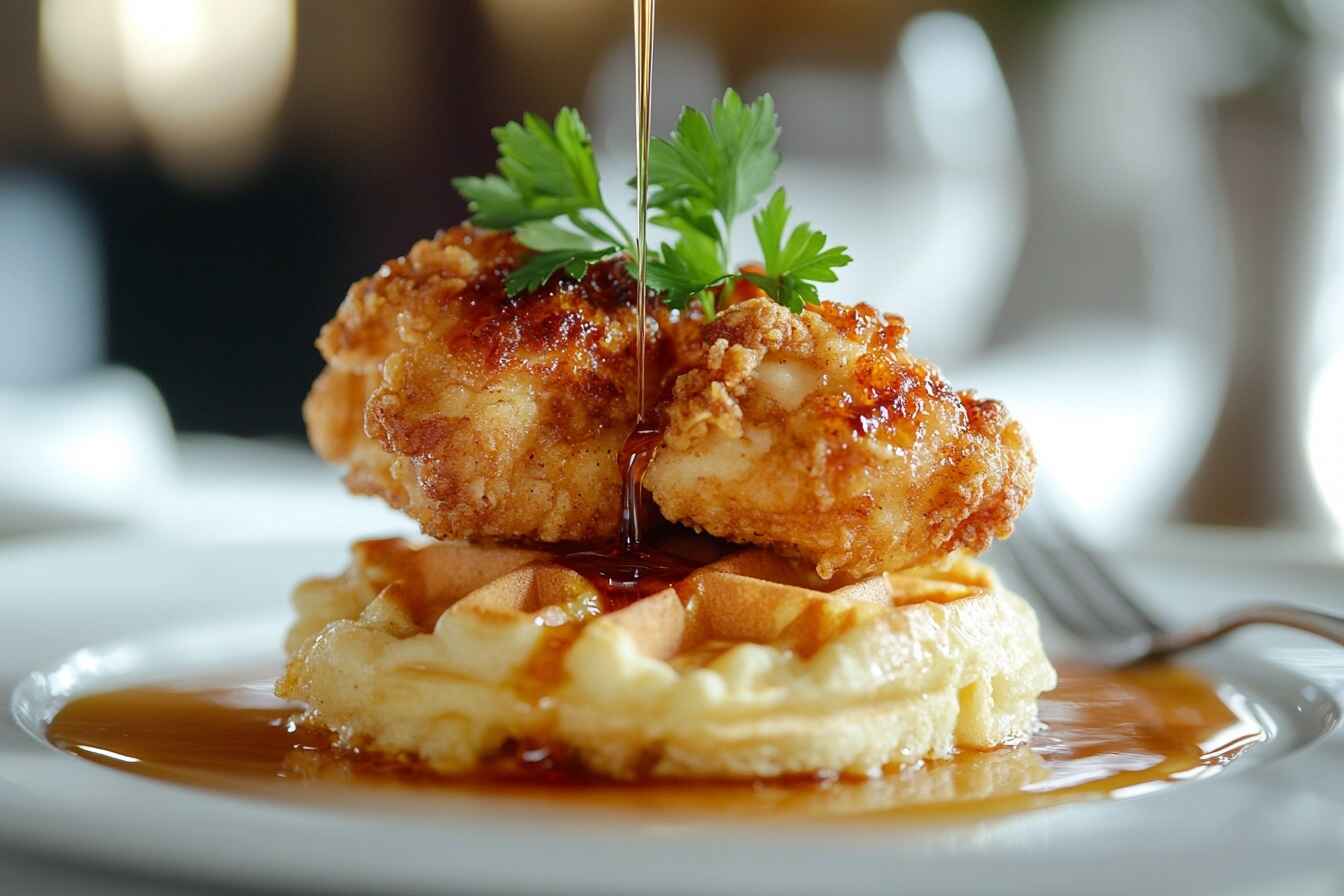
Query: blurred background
[(1122, 217)]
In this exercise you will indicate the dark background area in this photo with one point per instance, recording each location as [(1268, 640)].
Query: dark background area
[(217, 291)]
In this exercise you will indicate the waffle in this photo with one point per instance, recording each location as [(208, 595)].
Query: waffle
[(451, 655)]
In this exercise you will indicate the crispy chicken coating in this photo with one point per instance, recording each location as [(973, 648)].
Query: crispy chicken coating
[(820, 436), (482, 416)]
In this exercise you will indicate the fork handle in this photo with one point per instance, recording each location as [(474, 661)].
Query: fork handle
[(1325, 625)]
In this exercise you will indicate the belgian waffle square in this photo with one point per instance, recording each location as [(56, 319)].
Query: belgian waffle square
[(752, 667)]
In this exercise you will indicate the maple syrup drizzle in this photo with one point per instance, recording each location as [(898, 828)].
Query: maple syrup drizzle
[(628, 569), (1108, 734), (644, 16), (634, 459)]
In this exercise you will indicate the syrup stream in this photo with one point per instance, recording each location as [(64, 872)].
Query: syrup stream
[(644, 15), (628, 570)]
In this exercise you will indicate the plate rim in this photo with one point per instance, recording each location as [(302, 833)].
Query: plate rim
[(990, 852)]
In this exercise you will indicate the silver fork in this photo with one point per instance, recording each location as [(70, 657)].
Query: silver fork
[(1077, 589)]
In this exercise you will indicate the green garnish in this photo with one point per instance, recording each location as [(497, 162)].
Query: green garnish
[(546, 172), (538, 269), (794, 266), (706, 174)]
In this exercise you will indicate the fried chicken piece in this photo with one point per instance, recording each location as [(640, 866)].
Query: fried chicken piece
[(820, 436), (334, 414), (482, 416)]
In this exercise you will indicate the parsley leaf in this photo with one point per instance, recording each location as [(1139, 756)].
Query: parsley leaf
[(546, 171), (710, 170), (793, 266), (707, 172), (550, 164), (546, 236), (496, 203), (538, 269), (685, 270), (724, 161)]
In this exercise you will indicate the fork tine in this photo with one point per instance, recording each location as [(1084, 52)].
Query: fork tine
[(1056, 584), (1112, 594), (1042, 590)]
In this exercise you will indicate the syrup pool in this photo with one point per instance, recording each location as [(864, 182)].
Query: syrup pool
[(1107, 734)]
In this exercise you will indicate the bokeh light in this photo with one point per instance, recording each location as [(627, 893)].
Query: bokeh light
[(202, 80)]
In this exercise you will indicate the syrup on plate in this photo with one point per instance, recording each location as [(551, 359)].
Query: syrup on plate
[(1107, 734)]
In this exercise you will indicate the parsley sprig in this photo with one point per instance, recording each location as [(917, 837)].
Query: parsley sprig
[(547, 173), (707, 173), (793, 267)]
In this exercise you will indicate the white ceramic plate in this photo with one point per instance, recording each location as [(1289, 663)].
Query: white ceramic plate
[(79, 615)]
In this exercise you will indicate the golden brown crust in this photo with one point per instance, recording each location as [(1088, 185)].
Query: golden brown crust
[(818, 435), (334, 414), (483, 416), (490, 417)]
